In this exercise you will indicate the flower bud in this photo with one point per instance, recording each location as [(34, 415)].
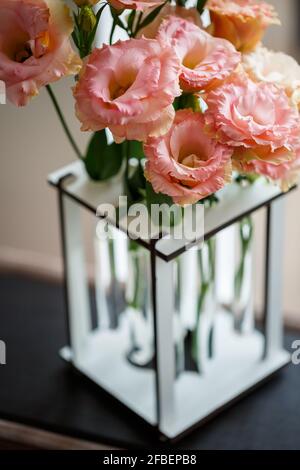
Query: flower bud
[(87, 19), (82, 3)]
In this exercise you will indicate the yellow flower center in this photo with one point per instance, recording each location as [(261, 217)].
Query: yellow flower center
[(120, 85), (33, 47)]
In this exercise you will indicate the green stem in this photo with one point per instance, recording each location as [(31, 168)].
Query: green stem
[(112, 32), (246, 236), (206, 278), (201, 5), (135, 301), (63, 122), (137, 24), (178, 286), (207, 281), (112, 258), (137, 263), (149, 18), (126, 182)]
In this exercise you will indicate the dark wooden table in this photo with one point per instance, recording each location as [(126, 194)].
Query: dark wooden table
[(14, 436), (44, 404)]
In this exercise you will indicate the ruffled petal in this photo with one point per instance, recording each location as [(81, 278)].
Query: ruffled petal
[(186, 163)]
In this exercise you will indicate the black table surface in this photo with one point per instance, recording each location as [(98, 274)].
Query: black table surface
[(40, 390)]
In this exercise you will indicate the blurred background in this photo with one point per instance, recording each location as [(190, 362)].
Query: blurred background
[(33, 145)]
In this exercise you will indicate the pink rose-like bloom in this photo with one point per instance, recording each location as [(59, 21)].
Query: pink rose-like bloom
[(129, 87), (242, 22), (284, 174), (290, 176), (264, 65), (253, 116), (35, 48), (189, 14), (186, 163), (206, 61), (134, 4)]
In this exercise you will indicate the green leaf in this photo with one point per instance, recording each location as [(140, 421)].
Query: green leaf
[(201, 5), (100, 12), (159, 198), (117, 19), (93, 159), (156, 198), (75, 39), (131, 19), (151, 17), (112, 160), (135, 185), (135, 149), (246, 179), (138, 180), (186, 101), (102, 161), (209, 201), (93, 33), (75, 17), (111, 36)]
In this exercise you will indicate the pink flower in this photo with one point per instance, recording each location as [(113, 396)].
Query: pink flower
[(284, 174), (290, 176), (242, 22), (186, 163), (129, 87), (264, 65), (134, 4), (206, 61), (189, 14), (251, 115), (35, 49)]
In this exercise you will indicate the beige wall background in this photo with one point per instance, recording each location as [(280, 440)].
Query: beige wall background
[(32, 144)]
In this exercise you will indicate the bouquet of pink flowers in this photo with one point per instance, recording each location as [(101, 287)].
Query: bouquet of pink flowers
[(193, 101)]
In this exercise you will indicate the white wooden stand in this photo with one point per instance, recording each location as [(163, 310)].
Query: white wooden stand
[(172, 406)]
